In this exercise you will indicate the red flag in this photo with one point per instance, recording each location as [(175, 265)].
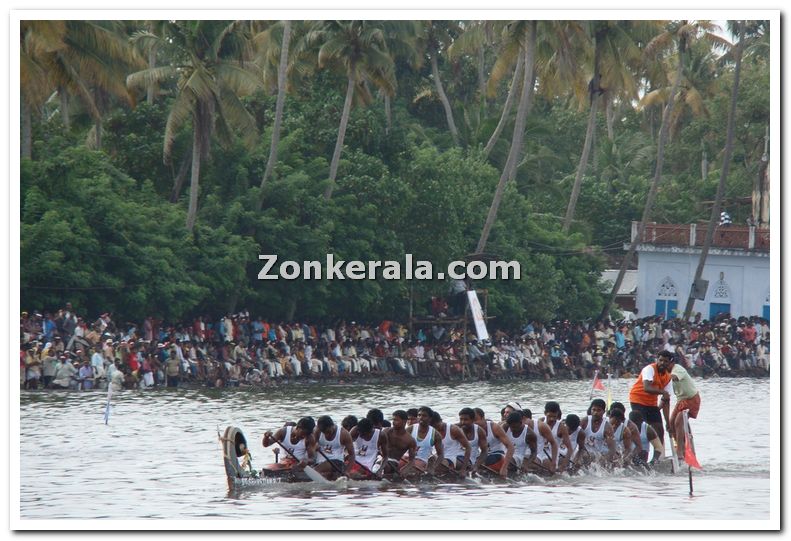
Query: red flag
[(689, 453), (690, 458), (597, 384)]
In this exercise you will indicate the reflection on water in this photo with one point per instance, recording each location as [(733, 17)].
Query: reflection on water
[(160, 458)]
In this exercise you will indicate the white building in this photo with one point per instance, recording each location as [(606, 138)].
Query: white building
[(737, 270)]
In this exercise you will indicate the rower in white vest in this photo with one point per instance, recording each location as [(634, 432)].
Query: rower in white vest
[(369, 443), (476, 435), (426, 439), (455, 445), (560, 434), (596, 441), (333, 441)]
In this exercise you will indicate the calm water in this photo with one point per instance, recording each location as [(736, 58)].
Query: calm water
[(160, 458)]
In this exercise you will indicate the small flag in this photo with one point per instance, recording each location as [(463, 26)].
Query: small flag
[(597, 383), (689, 453), (107, 408)]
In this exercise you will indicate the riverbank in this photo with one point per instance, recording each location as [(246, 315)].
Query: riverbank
[(394, 379)]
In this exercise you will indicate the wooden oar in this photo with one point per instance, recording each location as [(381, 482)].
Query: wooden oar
[(332, 464), (497, 473), (310, 472), (674, 454), (369, 470)]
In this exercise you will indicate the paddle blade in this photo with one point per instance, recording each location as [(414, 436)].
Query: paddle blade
[(314, 475)]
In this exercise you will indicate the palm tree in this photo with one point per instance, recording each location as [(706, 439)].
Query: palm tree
[(682, 33), (83, 58), (39, 41), (402, 39), (439, 35), (264, 39), (614, 72), (212, 74), (359, 50), (726, 161), (528, 29)]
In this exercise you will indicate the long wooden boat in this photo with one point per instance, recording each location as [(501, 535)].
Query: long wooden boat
[(240, 474)]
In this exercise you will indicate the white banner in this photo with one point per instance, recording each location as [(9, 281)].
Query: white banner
[(477, 316)]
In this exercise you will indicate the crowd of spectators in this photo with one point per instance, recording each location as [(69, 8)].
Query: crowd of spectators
[(62, 350)]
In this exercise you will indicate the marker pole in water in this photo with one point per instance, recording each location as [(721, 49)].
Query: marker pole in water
[(107, 408)]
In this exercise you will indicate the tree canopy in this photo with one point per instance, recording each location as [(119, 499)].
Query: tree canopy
[(106, 225)]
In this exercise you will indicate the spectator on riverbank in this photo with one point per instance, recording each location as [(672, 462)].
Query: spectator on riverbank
[(253, 351)]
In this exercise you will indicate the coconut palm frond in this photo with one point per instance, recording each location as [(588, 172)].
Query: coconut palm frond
[(180, 113), (143, 78)]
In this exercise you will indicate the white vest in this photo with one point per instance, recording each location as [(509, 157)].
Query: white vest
[(366, 451), (332, 449), (475, 449), (495, 445), (594, 441), (451, 448), (298, 450), (425, 445), (519, 441)]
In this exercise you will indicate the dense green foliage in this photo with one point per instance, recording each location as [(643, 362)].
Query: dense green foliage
[(99, 230)]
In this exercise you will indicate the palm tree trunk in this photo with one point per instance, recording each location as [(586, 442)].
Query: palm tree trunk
[(388, 115), (726, 161), (586, 148), (151, 91), (509, 170), (482, 77), (649, 202), (336, 155), (97, 130), (610, 118), (509, 102), (279, 104), (64, 108), (454, 133), (192, 211), (178, 182), (26, 146)]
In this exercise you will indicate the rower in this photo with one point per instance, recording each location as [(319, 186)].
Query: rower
[(648, 438), (399, 442), (377, 418), (501, 448), (426, 440), (634, 431), (568, 454), (367, 441), (298, 441), (476, 436), (333, 440), (622, 435), (558, 431), (596, 437), (411, 417), (522, 438), (455, 445), (544, 437)]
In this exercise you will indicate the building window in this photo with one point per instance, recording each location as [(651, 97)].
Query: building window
[(721, 290), (667, 288)]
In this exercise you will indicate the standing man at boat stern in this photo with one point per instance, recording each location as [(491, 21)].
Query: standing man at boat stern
[(653, 382), (333, 440), (687, 398)]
